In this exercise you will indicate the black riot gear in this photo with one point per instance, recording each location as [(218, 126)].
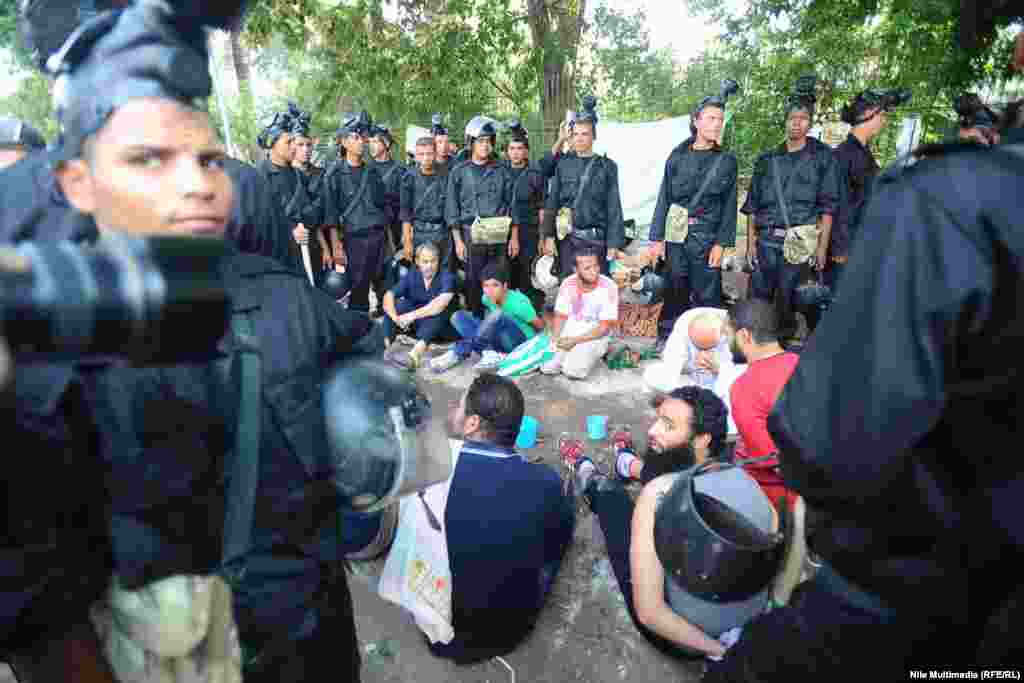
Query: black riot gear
[(355, 123), (884, 100)]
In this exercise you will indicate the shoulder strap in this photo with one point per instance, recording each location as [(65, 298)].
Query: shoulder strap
[(468, 175), (707, 181), (358, 195), (245, 459), (779, 191), (583, 184), (426, 193), (387, 175)]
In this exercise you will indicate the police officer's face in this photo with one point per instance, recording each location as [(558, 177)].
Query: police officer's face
[(518, 153), (672, 428), (441, 145), (377, 146), (482, 148), (425, 156), (355, 144), (426, 261), (798, 123), (282, 149), (709, 123), (11, 155), (303, 148), (154, 168), (583, 137)]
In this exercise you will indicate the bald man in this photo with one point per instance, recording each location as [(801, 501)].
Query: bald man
[(697, 353)]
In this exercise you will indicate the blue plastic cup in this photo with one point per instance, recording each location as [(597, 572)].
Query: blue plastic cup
[(597, 427), (527, 433)]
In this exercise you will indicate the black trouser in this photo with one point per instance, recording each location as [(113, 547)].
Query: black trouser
[(479, 257), (568, 247), (614, 510), (827, 633), (774, 272), (522, 265), (366, 254), (690, 277)]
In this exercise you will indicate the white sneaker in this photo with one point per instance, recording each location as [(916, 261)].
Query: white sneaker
[(446, 361), (490, 360)]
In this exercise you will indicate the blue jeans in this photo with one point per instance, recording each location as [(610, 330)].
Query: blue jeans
[(497, 332)]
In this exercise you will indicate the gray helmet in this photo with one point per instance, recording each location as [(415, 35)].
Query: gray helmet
[(715, 534), (17, 133), (481, 127)]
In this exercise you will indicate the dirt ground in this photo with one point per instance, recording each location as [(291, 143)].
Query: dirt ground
[(584, 632)]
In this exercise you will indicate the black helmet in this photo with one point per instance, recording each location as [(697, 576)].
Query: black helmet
[(728, 88), (803, 96), (714, 532), (517, 133), (652, 283), (17, 133), (813, 292), (300, 120), (337, 284), (395, 269), (437, 125), (382, 132), (884, 100), (355, 123), (974, 113), (481, 127), (281, 125)]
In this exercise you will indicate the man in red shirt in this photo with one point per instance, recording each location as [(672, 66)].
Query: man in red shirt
[(754, 327)]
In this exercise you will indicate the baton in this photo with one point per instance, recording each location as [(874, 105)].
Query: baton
[(307, 262)]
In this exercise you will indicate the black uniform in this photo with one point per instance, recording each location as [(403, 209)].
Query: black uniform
[(529, 188), (422, 203), (857, 170), (364, 225), (391, 174), (32, 205), (712, 221), (484, 191), (286, 185), (812, 192), (258, 224), (597, 220), (899, 425)]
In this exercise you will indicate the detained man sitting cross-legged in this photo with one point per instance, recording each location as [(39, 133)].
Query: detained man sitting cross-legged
[(419, 305)]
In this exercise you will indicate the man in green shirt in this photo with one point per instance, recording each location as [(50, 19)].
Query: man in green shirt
[(511, 320)]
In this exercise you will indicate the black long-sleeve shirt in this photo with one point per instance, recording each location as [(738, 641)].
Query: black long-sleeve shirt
[(258, 224), (391, 174), (529, 189), (900, 423), (487, 194), (418, 206), (340, 188), (600, 206), (812, 193), (685, 171), (857, 171)]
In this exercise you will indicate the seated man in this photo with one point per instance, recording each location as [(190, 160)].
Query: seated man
[(688, 431), (508, 526), (511, 320), (419, 304), (586, 309), (755, 330)]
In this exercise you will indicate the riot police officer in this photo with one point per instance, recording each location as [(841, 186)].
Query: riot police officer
[(695, 217), (529, 188), (479, 211), (867, 115), (422, 205), (355, 206), (162, 449), (17, 139), (307, 204), (583, 206), (793, 195)]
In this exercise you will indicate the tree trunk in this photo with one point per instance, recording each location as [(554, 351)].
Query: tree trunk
[(239, 60), (556, 27)]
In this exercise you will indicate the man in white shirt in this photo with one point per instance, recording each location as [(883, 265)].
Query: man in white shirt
[(585, 311), (697, 353)]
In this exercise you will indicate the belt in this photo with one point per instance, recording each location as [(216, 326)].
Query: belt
[(592, 234), (427, 226), (364, 232)]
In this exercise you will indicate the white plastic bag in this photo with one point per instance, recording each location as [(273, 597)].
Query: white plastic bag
[(417, 574)]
